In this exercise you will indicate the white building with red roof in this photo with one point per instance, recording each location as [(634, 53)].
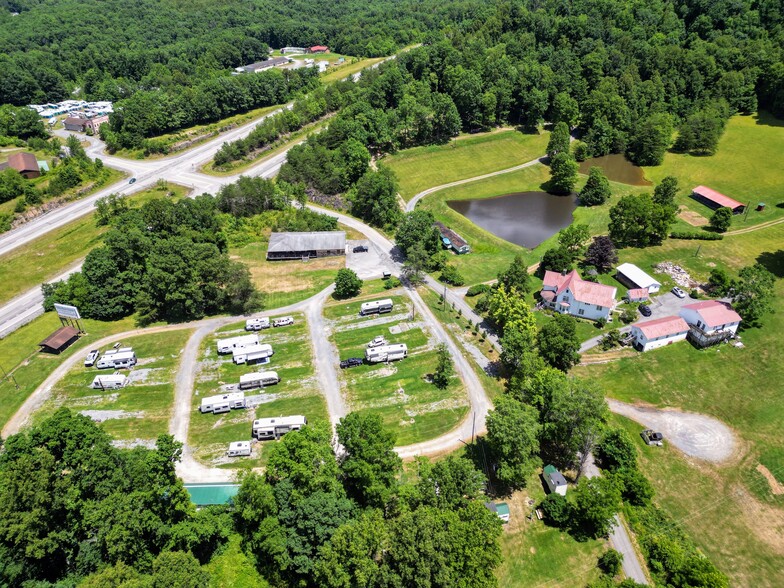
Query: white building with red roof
[(659, 332), (710, 321), (570, 294)]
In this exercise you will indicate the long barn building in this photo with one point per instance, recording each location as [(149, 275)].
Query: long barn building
[(306, 245)]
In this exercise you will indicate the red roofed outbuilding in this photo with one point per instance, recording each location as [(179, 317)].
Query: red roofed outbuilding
[(570, 294), (715, 199), (659, 332), (26, 164), (319, 49)]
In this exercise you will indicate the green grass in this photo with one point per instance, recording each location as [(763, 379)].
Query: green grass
[(20, 357), (231, 567), (152, 395), (334, 74), (297, 393), (398, 392), (744, 168), (347, 311), (50, 255), (420, 168)]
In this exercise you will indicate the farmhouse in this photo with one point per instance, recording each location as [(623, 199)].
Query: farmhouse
[(59, 340), (25, 163), (554, 480), (73, 123), (570, 294), (452, 240), (714, 199), (659, 332), (710, 321), (633, 277), (306, 245)]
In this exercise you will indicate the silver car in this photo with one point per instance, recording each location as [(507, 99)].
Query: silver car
[(678, 292)]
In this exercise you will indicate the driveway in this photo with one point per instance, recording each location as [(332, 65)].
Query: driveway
[(667, 304), (368, 264)]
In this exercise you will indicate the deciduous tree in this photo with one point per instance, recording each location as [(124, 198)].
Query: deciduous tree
[(601, 254), (557, 342), (347, 283), (596, 190), (513, 437)]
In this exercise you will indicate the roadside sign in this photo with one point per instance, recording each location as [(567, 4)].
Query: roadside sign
[(65, 311)]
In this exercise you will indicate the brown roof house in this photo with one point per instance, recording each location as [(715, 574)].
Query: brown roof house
[(26, 164), (59, 340), (73, 123)]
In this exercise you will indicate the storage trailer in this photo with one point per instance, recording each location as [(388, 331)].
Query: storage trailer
[(392, 352), (274, 428), (238, 449), (252, 353), (258, 380), (112, 382), (229, 345), (118, 360), (223, 402), (376, 307)]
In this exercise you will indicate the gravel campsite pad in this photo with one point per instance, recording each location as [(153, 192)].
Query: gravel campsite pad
[(696, 435)]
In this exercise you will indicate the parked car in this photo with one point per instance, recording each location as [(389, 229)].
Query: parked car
[(678, 292), (132, 181), (351, 362), (283, 321), (377, 342), (360, 249), (91, 358), (645, 310), (652, 437)]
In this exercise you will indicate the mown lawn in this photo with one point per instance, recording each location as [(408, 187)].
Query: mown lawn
[(53, 253), (297, 393), (150, 391), (467, 156)]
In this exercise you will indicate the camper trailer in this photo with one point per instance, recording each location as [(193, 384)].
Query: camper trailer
[(118, 360), (386, 353), (223, 402), (275, 428), (113, 382), (253, 353), (229, 345), (257, 324), (238, 449), (376, 306), (258, 380)]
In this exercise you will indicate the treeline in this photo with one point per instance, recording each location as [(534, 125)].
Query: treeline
[(20, 123), (148, 113), (76, 510)]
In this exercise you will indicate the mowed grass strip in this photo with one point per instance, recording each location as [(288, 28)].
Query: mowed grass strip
[(150, 390), (420, 168), (297, 393)]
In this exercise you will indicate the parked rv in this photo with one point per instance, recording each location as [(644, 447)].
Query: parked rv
[(283, 321), (392, 352), (257, 324), (274, 428), (377, 342), (253, 353), (376, 307), (258, 380), (229, 345), (91, 358), (113, 382), (223, 402), (118, 360), (238, 449)]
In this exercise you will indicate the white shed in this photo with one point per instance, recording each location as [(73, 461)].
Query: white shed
[(634, 277), (555, 480)]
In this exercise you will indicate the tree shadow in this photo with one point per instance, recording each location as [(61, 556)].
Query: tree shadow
[(780, 205), (765, 118), (773, 262)]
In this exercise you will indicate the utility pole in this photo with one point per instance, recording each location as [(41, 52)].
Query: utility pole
[(696, 253), (748, 206), (6, 377)]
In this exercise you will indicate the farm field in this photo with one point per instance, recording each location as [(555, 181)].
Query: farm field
[(297, 393), (420, 168), (53, 253), (400, 392), (141, 410)]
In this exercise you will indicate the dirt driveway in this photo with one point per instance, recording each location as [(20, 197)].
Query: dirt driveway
[(695, 434)]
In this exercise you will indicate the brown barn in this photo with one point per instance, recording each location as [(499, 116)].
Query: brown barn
[(59, 340), (26, 164)]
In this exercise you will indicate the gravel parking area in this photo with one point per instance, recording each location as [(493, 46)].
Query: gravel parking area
[(696, 435), (368, 264)]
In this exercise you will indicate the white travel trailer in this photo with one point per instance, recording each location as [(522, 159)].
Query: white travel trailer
[(121, 359), (258, 380), (256, 324), (238, 449), (376, 306), (253, 353), (229, 345), (223, 402), (386, 353), (274, 428), (113, 382)]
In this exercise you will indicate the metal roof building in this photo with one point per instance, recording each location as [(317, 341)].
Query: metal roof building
[(634, 277), (306, 245), (208, 494), (59, 340)]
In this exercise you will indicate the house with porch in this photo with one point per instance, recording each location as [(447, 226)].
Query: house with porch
[(568, 293), (659, 332), (710, 322)]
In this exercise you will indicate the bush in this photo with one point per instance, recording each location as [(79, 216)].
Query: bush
[(611, 339), (390, 283), (616, 450), (557, 510), (635, 487), (610, 562), (347, 284), (451, 275), (478, 289), (696, 236), (694, 294), (601, 323), (629, 315)]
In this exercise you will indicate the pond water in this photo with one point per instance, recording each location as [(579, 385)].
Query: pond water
[(523, 218), (617, 169)]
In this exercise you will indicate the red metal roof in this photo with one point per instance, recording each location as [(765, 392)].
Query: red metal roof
[(714, 312), (662, 327), (584, 291), (637, 293), (23, 162), (319, 48), (717, 197)]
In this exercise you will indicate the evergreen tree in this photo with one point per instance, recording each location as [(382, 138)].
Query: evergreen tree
[(597, 188)]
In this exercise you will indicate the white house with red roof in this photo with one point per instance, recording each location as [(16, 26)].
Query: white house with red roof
[(710, 321), (570, 294), (659, 332)]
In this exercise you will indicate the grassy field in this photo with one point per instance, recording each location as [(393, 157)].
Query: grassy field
[(341, 72), (467, 156), (297, 393), (743, 168), (141, 410), (287, 282), (399, 391), (53, 253)]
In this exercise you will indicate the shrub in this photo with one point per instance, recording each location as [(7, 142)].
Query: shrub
[(347, 284), (601, 322), (390, 283), (694, 294), (629, 315), (478, 289), (616, 450), (557, 510), (451, 275), (696, 236), (721, 219), (610, 562)]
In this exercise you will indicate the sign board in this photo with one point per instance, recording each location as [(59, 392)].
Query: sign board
[(67, 312)]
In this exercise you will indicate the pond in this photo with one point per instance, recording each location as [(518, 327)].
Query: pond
[(523, 218), (617, 169)]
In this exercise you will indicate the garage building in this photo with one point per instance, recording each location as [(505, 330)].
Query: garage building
[(306, 245), (633, 277)]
